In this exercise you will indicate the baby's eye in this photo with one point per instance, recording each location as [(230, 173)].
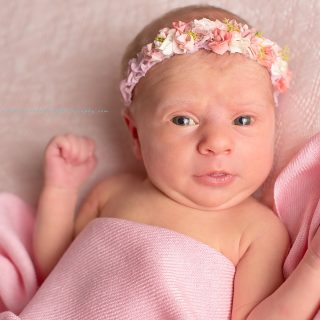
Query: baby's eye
[(183, 121), (243, 121)]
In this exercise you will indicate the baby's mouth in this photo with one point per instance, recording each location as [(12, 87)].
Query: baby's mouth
[(218, 174), (215, 178)]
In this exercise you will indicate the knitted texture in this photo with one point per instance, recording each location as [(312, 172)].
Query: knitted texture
[(120, 269)]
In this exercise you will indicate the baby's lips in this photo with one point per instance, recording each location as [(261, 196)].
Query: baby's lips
[(215, 172)]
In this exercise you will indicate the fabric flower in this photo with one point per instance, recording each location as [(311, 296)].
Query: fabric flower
[(281, 85), (220, 42), (204, 25), (252, 51), (161, 37), (266, 56), (238, 44), (279, 68), (183, 43), (167, 45), (179, 26)]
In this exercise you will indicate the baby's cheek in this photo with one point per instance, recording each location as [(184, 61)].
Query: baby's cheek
[(266, 160)]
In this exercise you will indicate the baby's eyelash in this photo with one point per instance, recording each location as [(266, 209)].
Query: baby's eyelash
[(183, 121)]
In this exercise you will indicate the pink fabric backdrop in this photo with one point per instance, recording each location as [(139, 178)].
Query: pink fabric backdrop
[(59, 73)]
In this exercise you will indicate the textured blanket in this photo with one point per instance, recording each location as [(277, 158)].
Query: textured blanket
[(18, 281), (119, 269), (297, 201)]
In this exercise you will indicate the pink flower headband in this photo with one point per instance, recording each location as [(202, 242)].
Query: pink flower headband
[(216, 36)]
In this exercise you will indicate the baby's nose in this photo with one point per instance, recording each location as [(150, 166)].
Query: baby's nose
[(215, 140)]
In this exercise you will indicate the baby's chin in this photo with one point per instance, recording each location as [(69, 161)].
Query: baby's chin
[(208, 204)]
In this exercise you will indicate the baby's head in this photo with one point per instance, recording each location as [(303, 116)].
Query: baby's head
[(202, 122)]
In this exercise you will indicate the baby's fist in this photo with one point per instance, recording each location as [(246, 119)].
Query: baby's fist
[(69, 161)]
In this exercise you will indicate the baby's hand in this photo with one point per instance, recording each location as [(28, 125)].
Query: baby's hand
[(69, 161)]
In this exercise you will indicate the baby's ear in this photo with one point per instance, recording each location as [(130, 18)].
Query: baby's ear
[(131, 125)]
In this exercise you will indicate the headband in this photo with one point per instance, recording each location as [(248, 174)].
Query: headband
[(216, 36)]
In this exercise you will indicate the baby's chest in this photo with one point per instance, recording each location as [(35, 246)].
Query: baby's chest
[(221, 234)]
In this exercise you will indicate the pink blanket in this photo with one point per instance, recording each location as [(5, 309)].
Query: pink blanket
[(297, 200), (18, 281), (118, 269)]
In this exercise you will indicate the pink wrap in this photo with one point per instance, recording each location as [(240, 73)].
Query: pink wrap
[(297, 200), (119, 269), (18, 281)]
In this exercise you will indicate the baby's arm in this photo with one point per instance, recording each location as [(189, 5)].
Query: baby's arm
[(258, 292), (259, 272), (93, 204), (299, 296), (68, 161)]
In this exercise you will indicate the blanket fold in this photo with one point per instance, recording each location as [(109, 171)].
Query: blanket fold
[(18, 281), (297, 201)]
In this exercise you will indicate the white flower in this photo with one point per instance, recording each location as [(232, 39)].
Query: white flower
[(264, 42), (238, 44), (220, 25), (279, 68), (167, 45), (204, 24), (161, 35), (163, 32)]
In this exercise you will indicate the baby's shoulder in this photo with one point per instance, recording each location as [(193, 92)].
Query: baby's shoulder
[(112, 185), (119, 180), (265, 215), (264, 223), (99, 195)]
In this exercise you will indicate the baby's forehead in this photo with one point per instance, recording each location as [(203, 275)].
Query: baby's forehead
[(203, 61), (203, 78), (189, 71)]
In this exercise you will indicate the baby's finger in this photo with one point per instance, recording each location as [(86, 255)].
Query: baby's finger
[(82, 150), (58, 146), (69, 147)]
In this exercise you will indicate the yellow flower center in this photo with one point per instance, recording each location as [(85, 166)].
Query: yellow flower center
[(231, 26), (159, 39), (262, 53), (192, 34), (284, 53)]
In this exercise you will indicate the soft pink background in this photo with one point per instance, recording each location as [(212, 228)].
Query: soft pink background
[(60, 59)]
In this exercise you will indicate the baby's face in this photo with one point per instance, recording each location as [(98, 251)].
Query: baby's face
[(203, 115)]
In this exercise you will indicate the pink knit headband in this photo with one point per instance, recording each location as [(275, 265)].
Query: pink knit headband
[(216, 36)]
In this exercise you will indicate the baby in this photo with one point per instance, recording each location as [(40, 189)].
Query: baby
[(200, 102)]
